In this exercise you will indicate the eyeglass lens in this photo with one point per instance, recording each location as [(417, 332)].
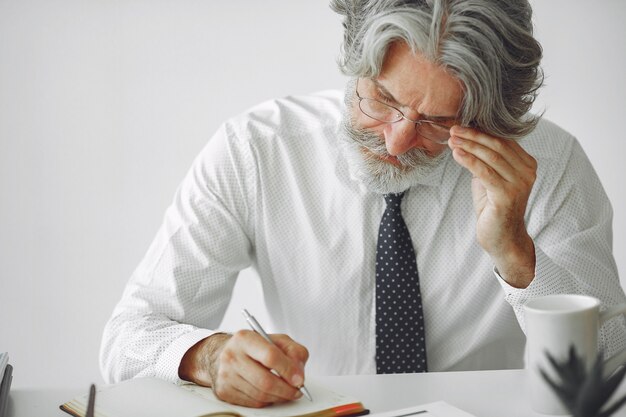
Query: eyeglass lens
[(386, 113)]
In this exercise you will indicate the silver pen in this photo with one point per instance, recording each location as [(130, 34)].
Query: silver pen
[(257, 328)]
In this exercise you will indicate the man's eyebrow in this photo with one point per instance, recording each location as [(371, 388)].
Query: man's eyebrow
[(438, 119), (386, 92)]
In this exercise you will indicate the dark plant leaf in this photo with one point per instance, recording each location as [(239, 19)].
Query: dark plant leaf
[(567, 397), (584, 394), (572, 372), (592, 395), (613, 408), (613, 381)]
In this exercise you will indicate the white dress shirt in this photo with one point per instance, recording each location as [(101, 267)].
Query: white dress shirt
[(272, 190)]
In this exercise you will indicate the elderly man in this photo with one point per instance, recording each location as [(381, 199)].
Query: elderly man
[(399, 228)]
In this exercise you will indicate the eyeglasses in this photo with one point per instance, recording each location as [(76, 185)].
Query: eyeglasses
[(385, 113)]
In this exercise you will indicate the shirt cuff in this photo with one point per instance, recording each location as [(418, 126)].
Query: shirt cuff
[(169, 361), (548, 280), (509, 290)]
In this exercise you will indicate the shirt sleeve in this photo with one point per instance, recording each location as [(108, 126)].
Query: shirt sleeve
[(179, 292), (570, 220)]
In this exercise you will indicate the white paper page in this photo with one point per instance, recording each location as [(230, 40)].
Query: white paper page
[(323, 398), (436, 409), (149, 397)]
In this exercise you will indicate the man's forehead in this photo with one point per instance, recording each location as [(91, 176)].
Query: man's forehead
[(413, 81)]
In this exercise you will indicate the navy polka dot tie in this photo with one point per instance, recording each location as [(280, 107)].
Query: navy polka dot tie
[(400, 342)]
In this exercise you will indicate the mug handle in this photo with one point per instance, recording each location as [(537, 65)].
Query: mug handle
[(619, 358)]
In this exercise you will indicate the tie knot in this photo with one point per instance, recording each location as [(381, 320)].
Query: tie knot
[(393, 200)]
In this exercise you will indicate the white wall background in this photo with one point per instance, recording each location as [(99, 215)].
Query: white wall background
[(104, 104)]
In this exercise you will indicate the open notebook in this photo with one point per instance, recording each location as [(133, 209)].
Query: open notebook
[(151, 397)]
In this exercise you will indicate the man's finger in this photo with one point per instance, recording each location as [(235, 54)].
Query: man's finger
[(489, 177), (236, 392), (292, 348), (496, 161), (510, 150), (262, 387), (267, 387), (272, 356), (256, 357)]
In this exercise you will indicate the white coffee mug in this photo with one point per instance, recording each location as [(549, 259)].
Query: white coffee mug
[(553, 324)]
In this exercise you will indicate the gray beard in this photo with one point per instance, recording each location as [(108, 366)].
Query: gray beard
[(363, 150)]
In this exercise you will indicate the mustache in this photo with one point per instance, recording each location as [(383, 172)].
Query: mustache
[(375, 144)]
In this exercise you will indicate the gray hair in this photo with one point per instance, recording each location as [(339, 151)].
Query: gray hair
[(488, 45)]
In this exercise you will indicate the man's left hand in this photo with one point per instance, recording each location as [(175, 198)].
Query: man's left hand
[(503, 177)]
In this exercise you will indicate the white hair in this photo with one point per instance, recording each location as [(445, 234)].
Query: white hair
[(487, 45)]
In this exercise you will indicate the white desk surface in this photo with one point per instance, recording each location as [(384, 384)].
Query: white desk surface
[(482, 393)]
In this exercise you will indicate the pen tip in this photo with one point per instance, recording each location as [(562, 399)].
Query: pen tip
[(306, 393)]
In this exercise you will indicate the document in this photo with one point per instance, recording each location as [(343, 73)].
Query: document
[(436, 409), (152, 397)]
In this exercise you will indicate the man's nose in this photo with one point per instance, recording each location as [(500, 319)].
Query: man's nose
[(400, 137)]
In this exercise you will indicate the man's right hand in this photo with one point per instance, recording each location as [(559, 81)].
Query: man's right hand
[(237, 367)]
